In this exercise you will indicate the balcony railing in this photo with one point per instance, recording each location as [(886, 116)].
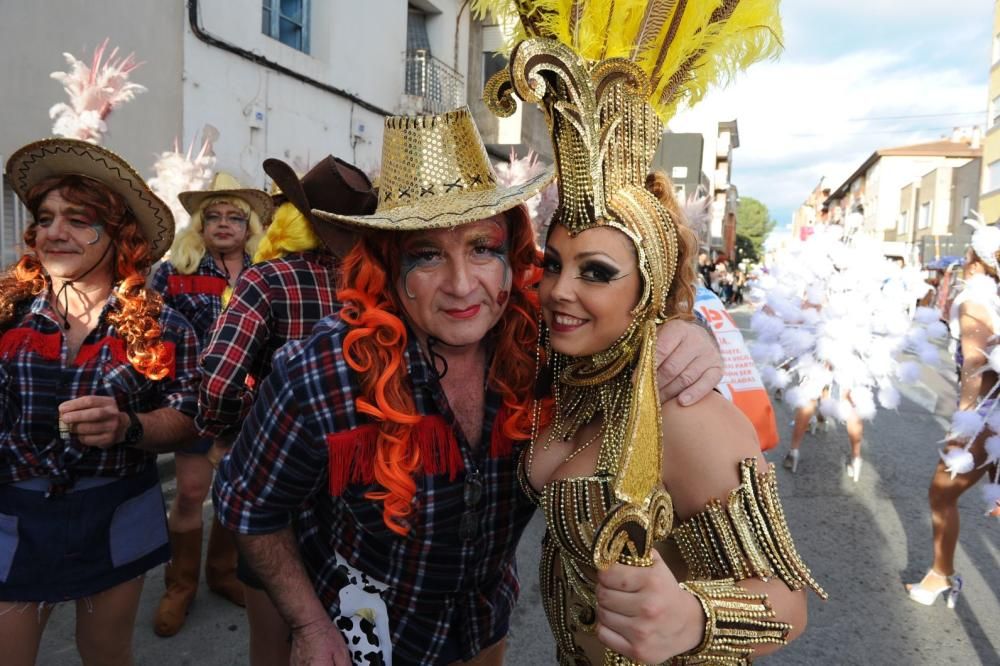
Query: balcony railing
[(439, 87)]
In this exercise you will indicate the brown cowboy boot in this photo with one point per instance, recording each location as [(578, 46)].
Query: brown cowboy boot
[(220, 564), (181, 578)]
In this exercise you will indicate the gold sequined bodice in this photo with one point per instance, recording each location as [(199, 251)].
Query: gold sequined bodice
[(574, 508)]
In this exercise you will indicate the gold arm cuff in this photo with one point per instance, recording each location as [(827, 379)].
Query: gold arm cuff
[(744, 537), (736, 621)]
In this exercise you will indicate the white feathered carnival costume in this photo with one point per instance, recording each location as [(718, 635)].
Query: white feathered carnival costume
[(833, 312), (967, 425)]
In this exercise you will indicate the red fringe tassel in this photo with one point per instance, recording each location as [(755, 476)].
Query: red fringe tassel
[(89, 352), (352, 453), (18, 340)]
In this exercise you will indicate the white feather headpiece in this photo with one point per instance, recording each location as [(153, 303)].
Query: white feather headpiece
[(178, 172), (94, 92), (985, 240), (541, 206)]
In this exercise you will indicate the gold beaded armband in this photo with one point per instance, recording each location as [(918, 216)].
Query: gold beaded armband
[(736, 621), (745, 537)]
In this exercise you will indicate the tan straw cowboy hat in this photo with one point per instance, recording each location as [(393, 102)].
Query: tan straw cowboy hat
[(43, 159), (225, 185), (435, 175)]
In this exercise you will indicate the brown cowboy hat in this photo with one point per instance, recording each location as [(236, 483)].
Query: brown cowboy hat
[(332, 185), (58, 157)]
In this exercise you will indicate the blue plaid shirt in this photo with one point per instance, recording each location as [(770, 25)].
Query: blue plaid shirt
[(279, 474), (35, 377), (198, 297)]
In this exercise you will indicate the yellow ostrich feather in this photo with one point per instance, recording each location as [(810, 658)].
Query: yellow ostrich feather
[(684, 47)]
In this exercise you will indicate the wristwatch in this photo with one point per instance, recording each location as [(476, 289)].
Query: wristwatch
[(134, 431)]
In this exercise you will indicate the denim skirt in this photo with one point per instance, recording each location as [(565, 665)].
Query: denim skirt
[(99, 534)]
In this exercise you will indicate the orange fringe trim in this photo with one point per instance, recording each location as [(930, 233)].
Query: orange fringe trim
[(352, 453)]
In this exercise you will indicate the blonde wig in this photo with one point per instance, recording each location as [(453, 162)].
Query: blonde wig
[(189, 246), (289, 231)]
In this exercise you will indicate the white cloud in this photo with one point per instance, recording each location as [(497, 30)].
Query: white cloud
[(807, 116)]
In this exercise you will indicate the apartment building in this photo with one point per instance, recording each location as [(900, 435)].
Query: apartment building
[(870, 201), (294, 79), (989, 200)]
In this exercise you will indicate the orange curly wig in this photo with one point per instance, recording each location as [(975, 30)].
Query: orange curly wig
[(375, 345), (136, 319)]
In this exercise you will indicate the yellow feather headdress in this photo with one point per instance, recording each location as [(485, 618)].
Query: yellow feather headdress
[(683, 47)]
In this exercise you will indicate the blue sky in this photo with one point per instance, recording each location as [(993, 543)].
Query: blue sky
[(849, 69)]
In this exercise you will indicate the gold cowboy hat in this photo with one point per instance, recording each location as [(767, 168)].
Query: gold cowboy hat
[(225, 185), (39, 160), (435, 175)]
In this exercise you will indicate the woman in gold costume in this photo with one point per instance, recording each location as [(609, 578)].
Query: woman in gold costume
[(666, 540)]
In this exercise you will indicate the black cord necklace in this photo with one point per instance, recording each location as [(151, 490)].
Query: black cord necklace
[(435, 356), (63, 293)]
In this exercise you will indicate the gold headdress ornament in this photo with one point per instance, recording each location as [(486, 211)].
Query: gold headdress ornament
[(607, 74)]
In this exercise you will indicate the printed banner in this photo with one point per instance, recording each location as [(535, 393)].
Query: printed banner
[(741, 383)]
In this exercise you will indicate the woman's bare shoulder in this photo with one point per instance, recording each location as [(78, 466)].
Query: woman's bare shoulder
[(703, 445)]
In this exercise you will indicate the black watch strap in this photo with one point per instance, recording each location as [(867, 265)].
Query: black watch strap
[(134, 432)]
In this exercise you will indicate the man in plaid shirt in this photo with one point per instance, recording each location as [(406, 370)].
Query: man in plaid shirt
[(374, 483), (290, 287), (226, 222), (96, 377), (279, 299)]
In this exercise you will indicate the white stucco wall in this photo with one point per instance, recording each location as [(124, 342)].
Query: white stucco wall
[(354, 46)]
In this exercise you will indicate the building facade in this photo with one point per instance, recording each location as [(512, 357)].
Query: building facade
[(989, 200), (292, 79), (899, 195), (811, 212)]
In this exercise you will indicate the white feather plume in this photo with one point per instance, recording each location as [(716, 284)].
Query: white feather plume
[(94, 90), (828, 408), (927, 316), (992, 446), (991, 496), (908, 372), (844, 308), (519, 170), (889, 397), (937, 329), (966, 424), (178, 172), (957, 461)]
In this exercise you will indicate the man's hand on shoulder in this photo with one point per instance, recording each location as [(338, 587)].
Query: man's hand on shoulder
[(689, 363)]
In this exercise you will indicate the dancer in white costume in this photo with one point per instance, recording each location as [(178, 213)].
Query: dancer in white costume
[(972, 449), (832, 323)]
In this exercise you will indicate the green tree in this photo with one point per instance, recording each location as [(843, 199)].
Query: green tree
[(753, 224), (745, 249)]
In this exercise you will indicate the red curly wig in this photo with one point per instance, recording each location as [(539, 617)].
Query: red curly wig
[(375, 345), (136, 319)]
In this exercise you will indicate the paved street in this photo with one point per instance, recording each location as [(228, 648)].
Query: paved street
[(862, 541)]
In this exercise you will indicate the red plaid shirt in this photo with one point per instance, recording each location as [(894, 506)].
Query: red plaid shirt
[(35, 377), (274, 302), (198, 296)]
